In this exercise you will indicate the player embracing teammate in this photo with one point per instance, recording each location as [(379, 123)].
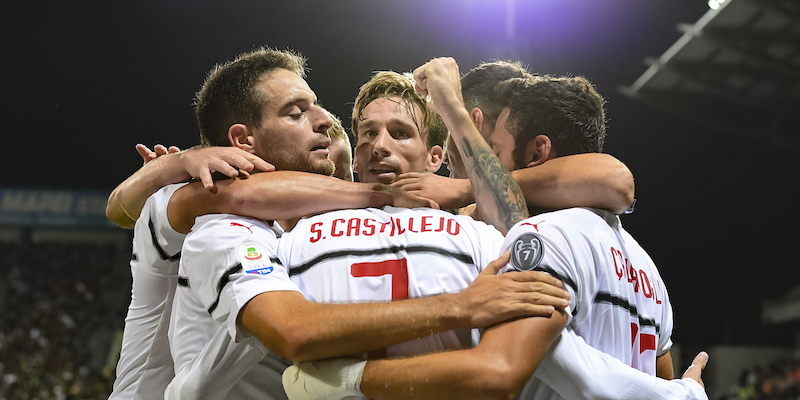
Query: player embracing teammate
[(242, 301)]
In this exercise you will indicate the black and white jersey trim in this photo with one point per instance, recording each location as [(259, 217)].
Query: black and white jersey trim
[(299, 269), (222, 282), (563, 278), (605, 297), (161, 253)]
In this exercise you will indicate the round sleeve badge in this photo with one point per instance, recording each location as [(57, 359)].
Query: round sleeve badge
[(253, 257), (252, 253), (527, 252)]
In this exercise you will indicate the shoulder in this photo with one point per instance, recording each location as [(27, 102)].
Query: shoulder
[(220, 228), (165, 193)]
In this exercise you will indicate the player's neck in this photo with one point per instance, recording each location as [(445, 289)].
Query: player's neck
[(288, 224)]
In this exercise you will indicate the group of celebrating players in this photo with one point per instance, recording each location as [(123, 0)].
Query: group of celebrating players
[(297, 282)]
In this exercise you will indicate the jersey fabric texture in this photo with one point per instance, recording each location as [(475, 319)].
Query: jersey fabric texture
[(145, 366), (390, 254), (619, 304), (226, 261), (578, 371)]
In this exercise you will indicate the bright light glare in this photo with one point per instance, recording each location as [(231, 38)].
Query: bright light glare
[(713, 4)]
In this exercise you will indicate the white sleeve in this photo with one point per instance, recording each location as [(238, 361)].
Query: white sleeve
[(577, 371), (548, 249), (165, 240), (230, 263)]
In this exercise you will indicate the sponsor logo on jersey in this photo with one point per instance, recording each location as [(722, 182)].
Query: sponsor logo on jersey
[(243, 226), (527, 252), (535, 226), (261, 271)]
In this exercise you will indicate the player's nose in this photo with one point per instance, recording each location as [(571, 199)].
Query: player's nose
[(321, 119), (382, 146)]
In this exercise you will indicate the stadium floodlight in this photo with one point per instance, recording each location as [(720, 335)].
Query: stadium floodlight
[(714, 4)]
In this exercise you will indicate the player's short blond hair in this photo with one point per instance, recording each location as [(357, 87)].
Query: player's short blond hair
[(336, 131), (393, 84)]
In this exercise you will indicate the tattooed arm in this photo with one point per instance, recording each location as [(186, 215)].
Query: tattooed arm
[(500, 200)]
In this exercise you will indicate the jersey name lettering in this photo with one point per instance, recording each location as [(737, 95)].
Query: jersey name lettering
[(395, 226), (639, 279)]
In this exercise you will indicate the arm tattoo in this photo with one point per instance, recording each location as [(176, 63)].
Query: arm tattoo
[(489, 175)]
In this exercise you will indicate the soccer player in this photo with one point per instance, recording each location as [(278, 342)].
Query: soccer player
[(606, 183), (341, 150), (572, 244)]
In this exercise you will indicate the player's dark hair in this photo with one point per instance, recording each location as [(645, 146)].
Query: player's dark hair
[(478, 86), (230, 94), (568, 110)]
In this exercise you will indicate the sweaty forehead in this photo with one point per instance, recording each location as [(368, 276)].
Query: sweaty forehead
[(282, 86), (391, 110)]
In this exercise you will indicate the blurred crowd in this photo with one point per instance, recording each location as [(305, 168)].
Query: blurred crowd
[(61, 306), (777, 381)]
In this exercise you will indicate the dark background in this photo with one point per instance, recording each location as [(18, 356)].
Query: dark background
[(83, 82)]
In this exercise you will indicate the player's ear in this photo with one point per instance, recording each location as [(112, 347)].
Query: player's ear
[(241, 136), (538, 150), (479, 120), (435, 155)]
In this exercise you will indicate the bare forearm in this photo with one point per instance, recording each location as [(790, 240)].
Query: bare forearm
[(461, 374), (126, 201), (300, 330), (581, 180), (497, 368), (275, 196), (500, 200), (285, 195)]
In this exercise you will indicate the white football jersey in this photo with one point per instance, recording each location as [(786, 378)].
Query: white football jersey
[(145, 366), (619, 303), (390, 254), (226, 261)]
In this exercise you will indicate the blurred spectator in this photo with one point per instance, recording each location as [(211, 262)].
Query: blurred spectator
[(61, 303), (778, 381)]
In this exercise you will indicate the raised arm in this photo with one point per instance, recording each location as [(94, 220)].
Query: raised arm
[(126, 201), (499, 198)]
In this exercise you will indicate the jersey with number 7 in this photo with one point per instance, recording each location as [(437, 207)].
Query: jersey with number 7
[(369, 255)]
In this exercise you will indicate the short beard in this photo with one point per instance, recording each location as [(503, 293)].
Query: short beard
[(309, 165), (320, 168)]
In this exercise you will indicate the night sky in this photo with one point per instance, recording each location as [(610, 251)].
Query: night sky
[(84, 82)]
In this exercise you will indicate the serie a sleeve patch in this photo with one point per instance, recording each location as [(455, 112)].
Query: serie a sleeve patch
[(527, 252), (254, 258)]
